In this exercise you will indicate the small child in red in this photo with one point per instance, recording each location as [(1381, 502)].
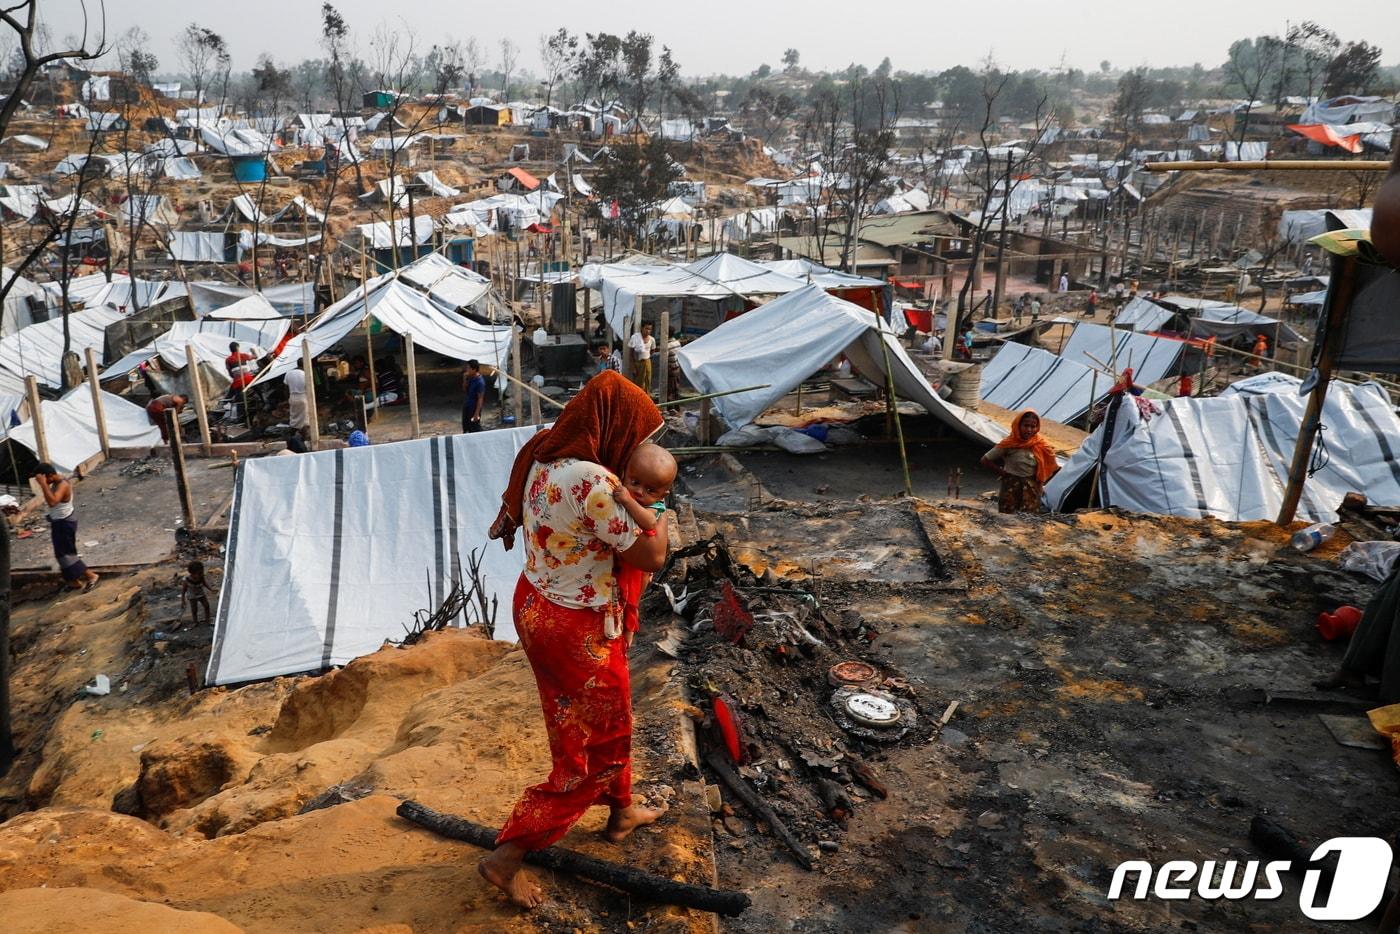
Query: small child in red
[(648, 478)]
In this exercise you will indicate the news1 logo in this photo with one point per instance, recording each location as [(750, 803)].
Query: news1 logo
[(1358, 883)]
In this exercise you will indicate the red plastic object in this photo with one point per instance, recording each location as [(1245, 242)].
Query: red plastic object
[(1338, 625), (732, 621), (727, 720)]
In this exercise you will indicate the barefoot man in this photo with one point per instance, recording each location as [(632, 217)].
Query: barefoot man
[(568, 615)]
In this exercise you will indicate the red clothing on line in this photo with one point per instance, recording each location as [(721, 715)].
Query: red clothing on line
[(586, 694)]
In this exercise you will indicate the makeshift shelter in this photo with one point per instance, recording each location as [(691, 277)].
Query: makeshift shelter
[(1230, 322), (349, 544), (404, 309), (24, 298), (785, 341), (1229, 456), (210, 338), (429, 182), (37, 350), (149, 209), (1326, 135), (1143, 315), (1098, 347), (70, 428), (487, 115), (254, 307), (293, 298), (1022, 377), (198, 246)]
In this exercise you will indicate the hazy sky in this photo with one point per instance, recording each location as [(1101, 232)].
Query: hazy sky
[(735, 36)]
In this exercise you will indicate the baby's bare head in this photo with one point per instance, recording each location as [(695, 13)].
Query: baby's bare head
[(650, 473)]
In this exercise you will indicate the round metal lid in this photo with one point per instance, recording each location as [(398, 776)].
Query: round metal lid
[(872, 710)]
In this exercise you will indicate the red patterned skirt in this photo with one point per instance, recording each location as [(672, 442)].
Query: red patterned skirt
[(586, 694)]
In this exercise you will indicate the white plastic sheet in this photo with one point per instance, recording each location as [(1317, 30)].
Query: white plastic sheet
[(1097, 347), (1228, 457), (296, 298), (197, 246), (38, 349), (331, 553), (787, 340), (1021, 377), (70, 427)]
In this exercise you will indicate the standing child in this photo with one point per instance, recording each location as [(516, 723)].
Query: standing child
[(192, 591), (647, 479)]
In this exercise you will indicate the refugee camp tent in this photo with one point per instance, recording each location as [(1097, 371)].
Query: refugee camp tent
[(198, 246), (293, 298), (716, 277), (298, 209), (1227, 322), (405, 310), (37, 350), (434, 185), (18, 310), (448, 284), (1097, 347), (70, 427), (1228, 456), (349, 544), (785, 341), (1143, 315), (1023, 377), (487, 115), (210, 338), (254, 307)]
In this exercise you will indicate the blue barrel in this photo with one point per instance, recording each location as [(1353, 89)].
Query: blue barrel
[(250, 168)]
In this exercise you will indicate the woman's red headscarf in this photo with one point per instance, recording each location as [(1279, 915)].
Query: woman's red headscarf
[(604, 424), (1045, 463)]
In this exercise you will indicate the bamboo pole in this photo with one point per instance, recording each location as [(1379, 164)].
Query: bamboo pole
[(517, 404), (414, 426), (206, 443), (1274, 165), (369, 337), (41, 438), (177, 457), (99, 413), (894, 411), (313, 421), (663, 362), (1339, 303)]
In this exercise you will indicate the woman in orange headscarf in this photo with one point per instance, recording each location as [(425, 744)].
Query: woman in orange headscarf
[(1025, 461), (567, 614)]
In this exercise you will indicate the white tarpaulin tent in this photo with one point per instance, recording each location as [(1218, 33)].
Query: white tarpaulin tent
[(295, 298), (210, 338), (1143, 315), (713, 277), (452, 285), (197, 246), (70, 427), (1230, 321), (1096, 346), (346, 545), (790, 338), (251, 308), (38, 349), (403, 309), (1021, 377), (17, 312), (1228, 456)]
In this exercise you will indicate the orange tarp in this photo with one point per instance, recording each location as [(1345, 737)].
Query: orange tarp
[(1327, 136), (528, 181)]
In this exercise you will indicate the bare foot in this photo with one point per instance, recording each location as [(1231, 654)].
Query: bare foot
[(517, 884), (622, 822)]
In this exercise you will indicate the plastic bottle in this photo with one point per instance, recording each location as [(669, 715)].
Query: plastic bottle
[(1307, 539)]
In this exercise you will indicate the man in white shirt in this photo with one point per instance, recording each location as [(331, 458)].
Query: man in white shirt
[(642, 345), (1064, 282), (296, 399)]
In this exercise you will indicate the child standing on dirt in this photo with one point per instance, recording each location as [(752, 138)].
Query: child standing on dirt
[(647, 479), (192, 591)]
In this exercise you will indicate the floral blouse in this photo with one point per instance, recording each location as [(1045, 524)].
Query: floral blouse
[(573, 528)]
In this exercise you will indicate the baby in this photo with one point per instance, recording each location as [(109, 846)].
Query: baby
[(647, 479)]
